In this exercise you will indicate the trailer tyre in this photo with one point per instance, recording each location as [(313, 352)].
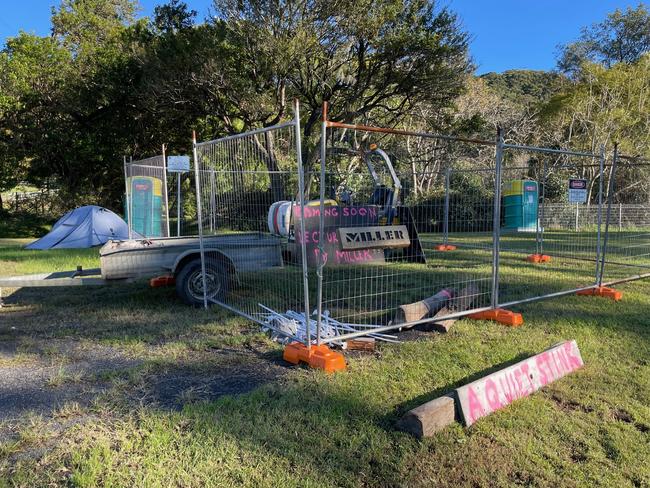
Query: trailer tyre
[(189, 282)]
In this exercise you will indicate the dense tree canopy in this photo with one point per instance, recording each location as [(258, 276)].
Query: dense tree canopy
[(106, 83)]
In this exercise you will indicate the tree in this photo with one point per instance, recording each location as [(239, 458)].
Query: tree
[(623, 37), (369, 59), (173, 16)]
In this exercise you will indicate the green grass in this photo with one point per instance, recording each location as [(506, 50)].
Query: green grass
[(591, 428)]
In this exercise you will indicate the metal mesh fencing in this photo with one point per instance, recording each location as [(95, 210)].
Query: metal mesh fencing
[(541, 252), (626, 241), (391, 201), (146, 206), (183, 220), (248, 201), (397, 228)]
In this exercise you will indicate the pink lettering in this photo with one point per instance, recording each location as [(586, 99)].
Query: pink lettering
[(506, 387), (520, 384), (574, 360), (492, 394), (524, 369), (475, 408), (563, 360), (542, 365)]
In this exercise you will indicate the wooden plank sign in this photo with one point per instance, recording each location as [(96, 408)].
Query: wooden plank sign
[(495, 391), (374, 237)]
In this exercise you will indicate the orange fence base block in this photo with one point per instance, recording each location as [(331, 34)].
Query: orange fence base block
[(321, 357), (505, 317), (158, 281), (445, 247), (602, 291), (538, 258)]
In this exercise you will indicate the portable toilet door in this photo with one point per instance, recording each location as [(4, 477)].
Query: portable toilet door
[(520, 203), (147, 206)]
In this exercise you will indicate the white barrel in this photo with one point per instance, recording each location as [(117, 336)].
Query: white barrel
[(279, 218)]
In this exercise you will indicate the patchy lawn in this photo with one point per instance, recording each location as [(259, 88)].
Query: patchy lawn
[(125, 386)]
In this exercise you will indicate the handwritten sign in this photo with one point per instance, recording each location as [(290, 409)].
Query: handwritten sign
[(495, 391), (335, 217), (375, 237), (577, 190)]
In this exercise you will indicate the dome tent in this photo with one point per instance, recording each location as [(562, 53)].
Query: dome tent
[(83, 227)]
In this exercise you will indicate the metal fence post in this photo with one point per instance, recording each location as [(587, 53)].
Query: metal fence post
[(600, 211), (200, 219), (610, 197), (496, 231), (303, 246), (127, 210), (539, 237), (164, 157), (445, 229), (321, 224), (620, 217), (179, 175)]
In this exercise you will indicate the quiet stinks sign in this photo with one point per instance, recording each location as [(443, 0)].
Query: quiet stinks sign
[(495, 391)]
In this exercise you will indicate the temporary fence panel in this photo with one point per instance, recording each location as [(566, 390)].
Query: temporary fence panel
[(626, 244), (182, 196), (146, 206), (249, 203), (381, 232), (546, 254), (395, 227)]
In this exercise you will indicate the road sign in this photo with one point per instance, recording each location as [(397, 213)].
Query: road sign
[(178, 164), (577, 190)]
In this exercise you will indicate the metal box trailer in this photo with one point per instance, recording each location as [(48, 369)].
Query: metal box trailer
[(124, 261)]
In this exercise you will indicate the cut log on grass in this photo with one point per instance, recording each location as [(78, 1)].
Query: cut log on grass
[(412, 312), (361, 344), (442, 325), (462, 301), (429, 418)]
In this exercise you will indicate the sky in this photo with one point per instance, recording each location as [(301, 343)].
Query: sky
[(506, 34)]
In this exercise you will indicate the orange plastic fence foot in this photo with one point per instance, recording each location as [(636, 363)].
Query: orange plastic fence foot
[(158, 281), (538, 258), (445, 247), (505, 317), (321, 357), (602, 291)]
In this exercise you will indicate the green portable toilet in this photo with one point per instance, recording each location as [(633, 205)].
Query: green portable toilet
[(520, 200), (147, 206)]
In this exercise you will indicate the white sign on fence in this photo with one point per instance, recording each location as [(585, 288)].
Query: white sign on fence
[(577, 190), (495, 391), (178, 164)]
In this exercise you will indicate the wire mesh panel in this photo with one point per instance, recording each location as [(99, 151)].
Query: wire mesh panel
[(248, 201), (626, 247), (181, 189), (542, 250), (146, 206), (394, 205)]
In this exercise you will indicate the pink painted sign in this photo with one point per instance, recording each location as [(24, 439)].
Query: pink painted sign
[(495, 391)]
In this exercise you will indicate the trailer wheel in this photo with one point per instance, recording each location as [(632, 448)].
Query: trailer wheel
[(189, 282)]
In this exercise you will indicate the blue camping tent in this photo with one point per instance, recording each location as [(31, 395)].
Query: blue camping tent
[(83, 227)]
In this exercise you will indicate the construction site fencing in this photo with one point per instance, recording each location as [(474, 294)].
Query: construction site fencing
[(385, 214), (541, 253), (397, 228), (626, 239), (249, 188), (146, 206)]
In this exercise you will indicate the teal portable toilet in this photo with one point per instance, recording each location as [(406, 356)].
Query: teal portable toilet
[(520, 201), (147, 206)]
